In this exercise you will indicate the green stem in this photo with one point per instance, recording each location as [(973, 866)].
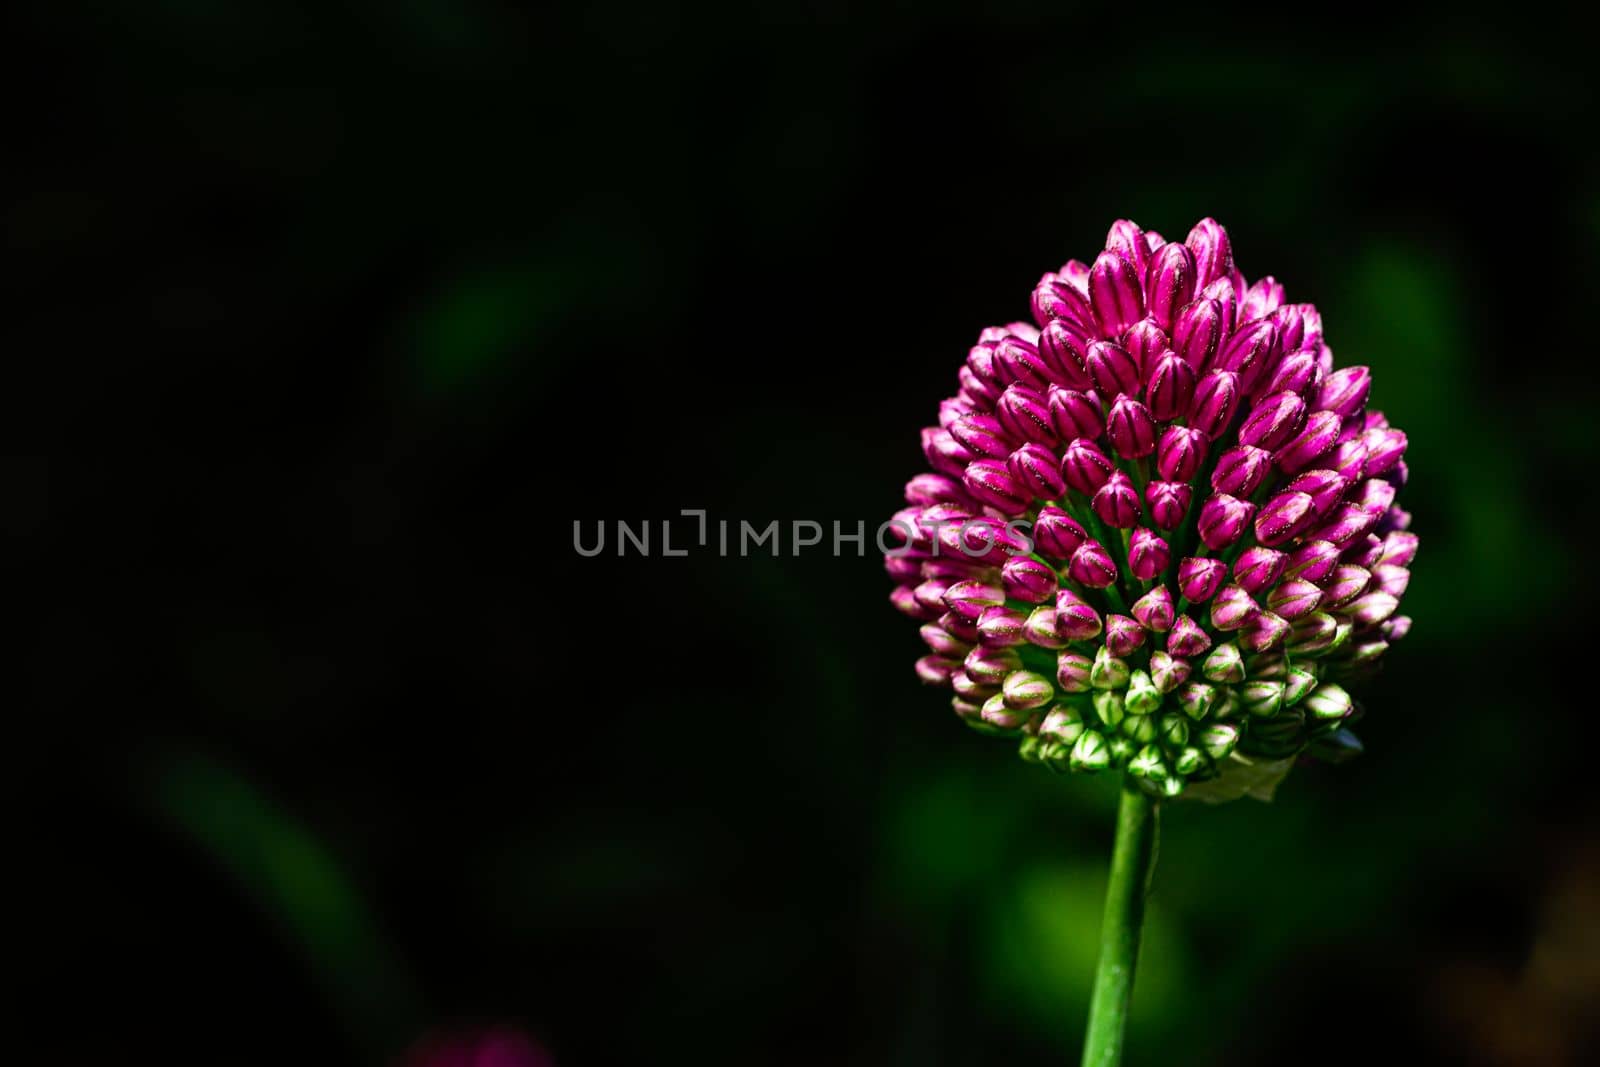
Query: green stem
[(1133, 860)]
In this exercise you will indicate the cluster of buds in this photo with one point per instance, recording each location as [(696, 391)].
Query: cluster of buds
[(1160, 532)]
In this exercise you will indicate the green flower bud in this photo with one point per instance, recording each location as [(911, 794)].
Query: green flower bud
[(1228, 706), (1262, 699), (1168, 671), (1121, 749), (1062, 725), (1147, 763), (1218, 739), (1300, 681), (1328, 703), (1174, 730), (1056, 756), (1196, 700), (1030, 749), (1090, 753), (1272, 665), (1108, 705), (1282, 735), (1224, 664), (1025, 690), (1108, 671), (1143, 697), (1190, 762), (1003, 718), (1139, 728), (1367, 652)]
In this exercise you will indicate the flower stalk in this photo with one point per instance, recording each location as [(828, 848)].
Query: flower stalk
[(1133, 860)]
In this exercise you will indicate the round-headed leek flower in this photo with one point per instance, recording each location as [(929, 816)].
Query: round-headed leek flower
[(1160, 533)]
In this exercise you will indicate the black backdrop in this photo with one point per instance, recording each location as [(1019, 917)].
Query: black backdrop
[(327, 326)]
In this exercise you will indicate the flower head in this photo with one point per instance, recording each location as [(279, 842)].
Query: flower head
[(1160, 531)]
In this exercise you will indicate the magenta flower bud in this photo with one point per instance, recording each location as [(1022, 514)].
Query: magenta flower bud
[(903, 570), (1113, 369), (1123, 635), (1115, 294), (1075, 619), (1393, 519), (1171, 386), (992, 483), (1054, 298), (1240, 471), (1197, 333), (1040, 629), (1148, 554), (1251, 353), (1127, 240), (1187, 639), (1312, 633), (1169, 503), (1257, 568), (967, 599), (1170, 283), (1396, 628), (1216, 398), (1180, 453), (1232, 608), (1025, 578), (1024, 414), (1000, 627), (1274, 422), (1117, 502), (1154, 610), (1347, 523), (1344, 392), (982, 363), (970, 691), (905, 602), (1091, 565), (1399, 548), (1198, 580), (1131, 428), (931, 593), (1384, 449), (1348, 459), (1294, 598), (1168, 672), (1374, 494), (1297, 372), (999, 715), (943, 642), (1064, 347), (1316, 440), (1144, 342), (1284, 516), (956, 626), (1261, 299), (936, 670), (1057, 534), (1391, 579), (1347, 582), (1373, 607), (1266, 630), (1225, 294), (944, 453), (1020, 361), (927, 489), (983, 435), (1085, 467), (1213, 256), (1313, 561), (1223, 520), (989, 666), (1072, 672), (1325, 488), (1073, 414), (1037, 471)]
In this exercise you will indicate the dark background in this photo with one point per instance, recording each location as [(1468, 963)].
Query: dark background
[(327, 324)]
